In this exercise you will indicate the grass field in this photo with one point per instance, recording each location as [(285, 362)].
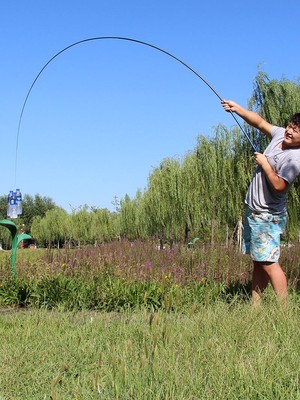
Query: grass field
[(126, 321), (221, 351)]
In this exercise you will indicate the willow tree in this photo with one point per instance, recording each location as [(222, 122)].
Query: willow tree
[(131, 225), (275, 100), (216, 190), (191, 196), (229, 192), (53, 228), (39, 231), (203, 194), (208, 186), (162, 202), (80, 225), (34, 206), (140, 217), (103, 226)]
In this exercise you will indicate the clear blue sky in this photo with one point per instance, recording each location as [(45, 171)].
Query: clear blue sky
[(105, 113)]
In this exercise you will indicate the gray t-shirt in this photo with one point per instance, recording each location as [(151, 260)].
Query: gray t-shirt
[(261, 197)]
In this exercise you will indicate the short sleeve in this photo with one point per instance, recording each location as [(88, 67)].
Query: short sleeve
[(289, 170)]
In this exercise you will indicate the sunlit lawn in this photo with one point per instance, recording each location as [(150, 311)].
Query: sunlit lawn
[(127, 321), (221, 351)]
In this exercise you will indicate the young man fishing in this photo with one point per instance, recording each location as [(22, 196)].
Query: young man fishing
[(266, 209)]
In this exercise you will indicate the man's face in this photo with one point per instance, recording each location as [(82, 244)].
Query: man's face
[(292, 136)]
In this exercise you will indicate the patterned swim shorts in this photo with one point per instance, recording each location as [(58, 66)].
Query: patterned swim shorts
[(262, 233)]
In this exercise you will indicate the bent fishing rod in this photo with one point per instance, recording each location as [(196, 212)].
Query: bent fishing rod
[(129, 40)]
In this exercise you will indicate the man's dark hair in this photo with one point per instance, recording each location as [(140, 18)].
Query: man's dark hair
[(295, 119)]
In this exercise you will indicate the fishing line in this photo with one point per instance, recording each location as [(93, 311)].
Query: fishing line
[(129, 40)]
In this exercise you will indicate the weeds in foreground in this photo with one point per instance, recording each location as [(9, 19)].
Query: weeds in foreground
[(130, 322), (220, 351), (123, 276)]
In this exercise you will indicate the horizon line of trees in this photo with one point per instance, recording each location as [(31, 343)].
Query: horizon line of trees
[(200, 195)]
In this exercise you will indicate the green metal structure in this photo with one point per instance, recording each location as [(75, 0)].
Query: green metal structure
[(15, 241)]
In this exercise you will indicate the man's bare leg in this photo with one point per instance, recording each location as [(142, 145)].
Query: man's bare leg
[(260, 280), (263, 273)]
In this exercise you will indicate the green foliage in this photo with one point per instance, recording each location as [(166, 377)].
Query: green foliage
[(34, 206), (53, 228), (104, 225), (105, 293), (163, 202), (82, 227), (131, 223), (122, 276), (275, 100)]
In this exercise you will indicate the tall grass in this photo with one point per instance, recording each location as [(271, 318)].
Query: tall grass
[(122, 275), (128, 321), (222, 352)]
